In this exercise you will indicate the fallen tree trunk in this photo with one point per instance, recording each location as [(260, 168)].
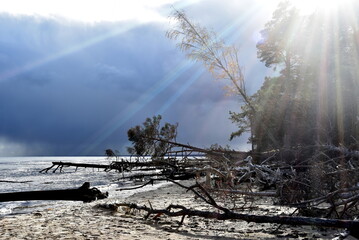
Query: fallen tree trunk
[(69, 164), (119, 166), (247, 193), (174, 176), (84, 193), (352, 226), (8, 181), (218, 152)]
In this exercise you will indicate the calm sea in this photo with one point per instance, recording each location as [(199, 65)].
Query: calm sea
[(22, 174)]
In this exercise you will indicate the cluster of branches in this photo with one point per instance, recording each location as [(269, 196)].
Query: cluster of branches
[(224, 213), (315, 177), (319, 180), (226, 172), (326, 177)]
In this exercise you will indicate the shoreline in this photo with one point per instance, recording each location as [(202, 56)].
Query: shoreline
[(88, 221)]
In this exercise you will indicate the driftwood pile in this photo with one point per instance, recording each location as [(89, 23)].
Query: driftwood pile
[(223, 213), (319, 178), (321, 182)]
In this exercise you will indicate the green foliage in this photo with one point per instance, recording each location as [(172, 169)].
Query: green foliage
[(314, 100), (282, 121), (242, 122), (280, 43), (112, 153), (151, 138)]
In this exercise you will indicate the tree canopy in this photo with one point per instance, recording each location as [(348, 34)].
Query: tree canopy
[(313, 99), (145, 138)]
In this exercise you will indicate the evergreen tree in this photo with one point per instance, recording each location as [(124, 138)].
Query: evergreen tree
[(145, 138), (314, 99)]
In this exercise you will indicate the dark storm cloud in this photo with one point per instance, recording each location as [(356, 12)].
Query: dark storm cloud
[(53, 95), (72, 88)]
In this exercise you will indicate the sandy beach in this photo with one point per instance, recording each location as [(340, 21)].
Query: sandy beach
[(88, 221)]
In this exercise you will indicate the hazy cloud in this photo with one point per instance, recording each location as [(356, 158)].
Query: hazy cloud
[(73, 88)]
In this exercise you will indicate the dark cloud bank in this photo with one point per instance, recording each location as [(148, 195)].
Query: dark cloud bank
[(74, 89)]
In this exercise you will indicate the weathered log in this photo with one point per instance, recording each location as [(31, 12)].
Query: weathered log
[(77, 165), (119, 166), (175, 176), (288, 220), (247, 193), (8, 181), (84, 193), (218, 152)]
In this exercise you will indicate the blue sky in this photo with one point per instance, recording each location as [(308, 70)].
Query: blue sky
[(75, 77)]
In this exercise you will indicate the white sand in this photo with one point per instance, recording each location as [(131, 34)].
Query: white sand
[(86, 221)]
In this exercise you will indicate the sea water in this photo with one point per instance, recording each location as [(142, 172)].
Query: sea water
[(23, 174)]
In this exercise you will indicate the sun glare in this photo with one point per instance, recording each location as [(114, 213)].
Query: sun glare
[(309, 6), (90, 10)]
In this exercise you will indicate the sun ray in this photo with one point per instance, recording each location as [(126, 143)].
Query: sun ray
[(124, 116), (91, 10), (68, 51), (180, 91), (328, 6)]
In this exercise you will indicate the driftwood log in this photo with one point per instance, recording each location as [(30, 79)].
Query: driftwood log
[(182, 211), (60, 165), (84, 193), (118, 166), (9, 181)]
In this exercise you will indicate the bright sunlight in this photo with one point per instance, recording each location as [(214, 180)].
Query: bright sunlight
[(309, 6), (90, 10)]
